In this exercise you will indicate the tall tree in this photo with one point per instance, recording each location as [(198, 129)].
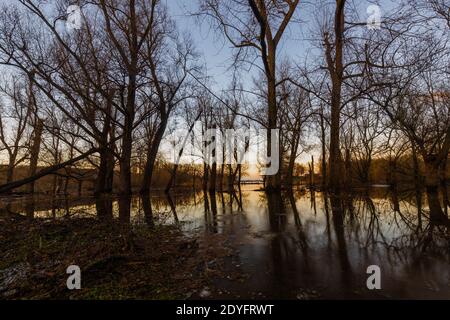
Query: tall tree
[(256, 25)]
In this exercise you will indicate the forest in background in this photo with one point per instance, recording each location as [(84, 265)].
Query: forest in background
[(100, 100)]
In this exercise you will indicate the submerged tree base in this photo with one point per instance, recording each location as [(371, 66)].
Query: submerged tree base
[(116, 261)]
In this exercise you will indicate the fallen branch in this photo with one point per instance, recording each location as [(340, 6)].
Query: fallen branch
[(44, 172)]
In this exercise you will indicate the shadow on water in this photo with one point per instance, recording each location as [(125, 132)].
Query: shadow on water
[(301, 244), (338, 214)]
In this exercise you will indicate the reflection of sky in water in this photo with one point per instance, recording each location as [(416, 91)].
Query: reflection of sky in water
[(284, 252)]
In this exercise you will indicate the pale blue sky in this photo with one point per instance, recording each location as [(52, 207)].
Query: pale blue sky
[(217, 52)]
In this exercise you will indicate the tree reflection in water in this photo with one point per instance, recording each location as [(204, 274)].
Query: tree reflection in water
[(292, 241)]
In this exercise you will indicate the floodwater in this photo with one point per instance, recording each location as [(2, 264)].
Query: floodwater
[(297, 245)]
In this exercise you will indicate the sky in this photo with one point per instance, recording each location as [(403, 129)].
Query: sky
[(216, 53)]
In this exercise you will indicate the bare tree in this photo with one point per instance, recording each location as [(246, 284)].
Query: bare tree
[(335, 64), (14, 121), (257, 32)]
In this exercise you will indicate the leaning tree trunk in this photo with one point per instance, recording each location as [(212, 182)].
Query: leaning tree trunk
[(44, 172), (151, 157)]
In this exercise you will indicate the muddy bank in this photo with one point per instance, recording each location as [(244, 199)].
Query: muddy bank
[(117, 261)]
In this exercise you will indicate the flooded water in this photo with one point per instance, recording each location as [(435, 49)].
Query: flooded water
[(297, 245)]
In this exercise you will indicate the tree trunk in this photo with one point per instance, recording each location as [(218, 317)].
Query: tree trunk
[(392, 173), (109, 178), (125, 161), (104, 208), (34, 153), (335, 152), (437, 215), (311, 172), (432, 178), (416, 173), (443, 172), (335, 67), (348, 168), (54, 185), (80, 187), (291, 165), (66, 184), (100, 182), (173, 174), (213, 178), (239, 175), (44, 172), (205, 176), (152, 153), (365, 174), (194, 183), (127, 139), (273, 182), (222, 176), (230, 178), (125, 210), (148, 212), (10, 171), (324, 151)]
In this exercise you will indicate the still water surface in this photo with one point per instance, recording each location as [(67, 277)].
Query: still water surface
[(300, 245)]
